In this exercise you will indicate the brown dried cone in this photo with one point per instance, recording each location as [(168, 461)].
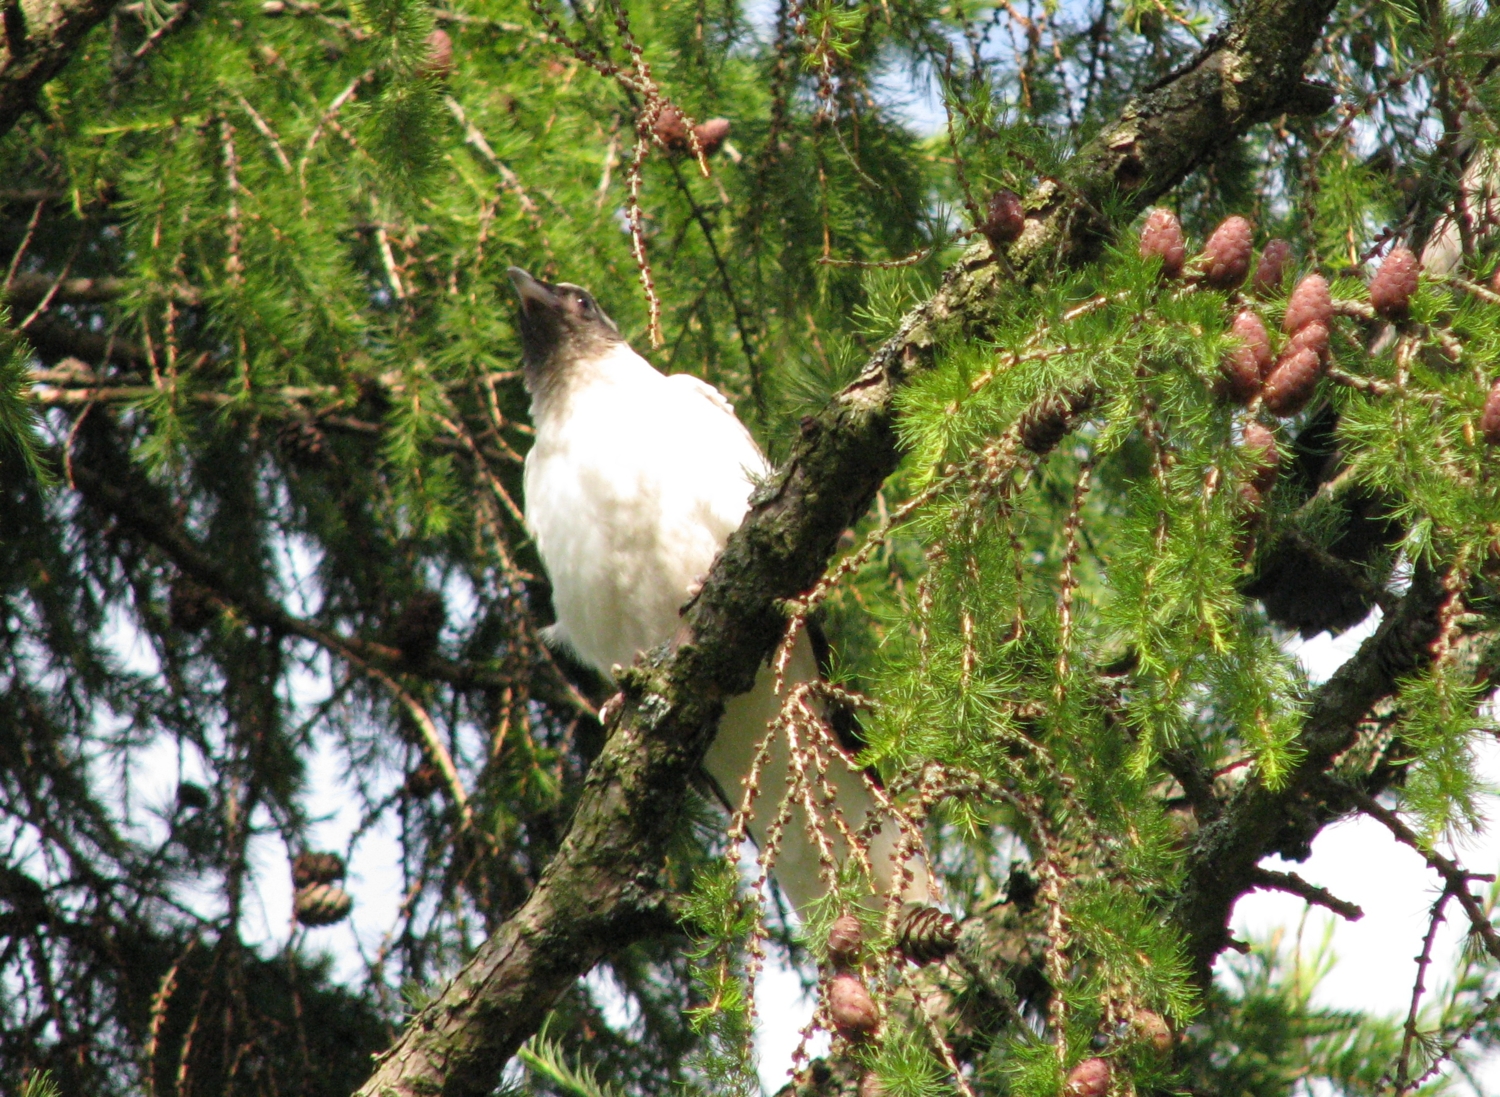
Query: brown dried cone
[(871, 1086), (1489, 419), (1309, 302), (419, 624), (845, 939), (1269, 272), (1089, 1078), (1246, 365), (1004, 218), (850, 1007), (1292, 382), (1260, 447), (1152, 1029), (1394, 283), (316, 868), (322, 904), (1226, 256), (1161, 236), (671, 130), (439, 61), (301, 441), (191, 606), (423, 781), (926, 934), (1046, 421)]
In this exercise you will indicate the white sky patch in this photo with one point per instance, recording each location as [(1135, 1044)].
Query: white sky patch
[(1358, 860)]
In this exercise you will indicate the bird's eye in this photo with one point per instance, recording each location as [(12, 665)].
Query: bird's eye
[(585, 306)]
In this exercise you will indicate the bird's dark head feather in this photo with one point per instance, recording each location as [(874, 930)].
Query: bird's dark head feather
[(560, 324)]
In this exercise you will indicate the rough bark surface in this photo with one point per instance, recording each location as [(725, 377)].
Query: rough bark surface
[(602, 889), (39, 38)]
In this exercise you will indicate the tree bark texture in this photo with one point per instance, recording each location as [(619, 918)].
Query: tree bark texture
[(602, 889), (40, 36)]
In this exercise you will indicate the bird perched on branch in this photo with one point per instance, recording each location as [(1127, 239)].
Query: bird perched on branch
[(633, 484)]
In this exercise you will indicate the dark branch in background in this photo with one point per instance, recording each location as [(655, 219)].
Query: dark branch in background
[(600, 890), (136, 508)]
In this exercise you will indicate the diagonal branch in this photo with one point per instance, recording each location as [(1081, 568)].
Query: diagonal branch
[(602, 887)]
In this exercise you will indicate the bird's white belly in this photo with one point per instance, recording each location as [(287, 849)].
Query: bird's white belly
[(625, 532)]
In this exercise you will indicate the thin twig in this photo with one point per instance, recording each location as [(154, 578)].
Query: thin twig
[(1290, 882), (1456, 877), (1409, 1030)]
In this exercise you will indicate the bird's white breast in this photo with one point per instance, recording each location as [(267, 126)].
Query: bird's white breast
[(633, 485)]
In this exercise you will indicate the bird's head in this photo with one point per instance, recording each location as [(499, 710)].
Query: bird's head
[(560, 325)]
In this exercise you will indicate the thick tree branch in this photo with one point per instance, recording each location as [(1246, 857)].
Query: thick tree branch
[(40, 36), (601, 887), (1223, 864)]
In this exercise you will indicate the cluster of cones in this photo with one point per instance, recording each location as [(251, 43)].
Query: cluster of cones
[(1284, 381)]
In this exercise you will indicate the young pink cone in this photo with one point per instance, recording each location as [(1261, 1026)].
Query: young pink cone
[(1309, 302), (1226, 256), (1292, 382), (1161, 236), (1246, 365), (1274, 258), (851, 1007), (1394, 283)]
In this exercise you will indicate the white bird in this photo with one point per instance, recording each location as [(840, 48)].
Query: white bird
[(633, 484)]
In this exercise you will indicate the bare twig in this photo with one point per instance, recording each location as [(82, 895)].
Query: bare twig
[(1293, 884), (1454, 876)]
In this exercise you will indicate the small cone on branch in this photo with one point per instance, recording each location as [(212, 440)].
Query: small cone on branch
[(423, 781), (1394, 283), (926, 934), (322, 904), (712, 134), (1291, 384), (1274, 258), (1311, 336), (1044, 423), (1153, 1031), (671, 130), (316, 868), (191, 606), (851, 1007), (1260, 446), (1226, 256), (418, 626), (301, 441), (1161, 236), (1004, 218), (1089, 1078), (1246, 365), (845, 939), (1489, 419), (439, 60), (1309, 302)]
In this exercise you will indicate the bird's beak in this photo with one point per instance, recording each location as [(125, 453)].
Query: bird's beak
[(532, 292)]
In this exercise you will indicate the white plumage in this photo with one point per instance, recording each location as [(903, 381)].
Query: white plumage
[(633, 484)]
